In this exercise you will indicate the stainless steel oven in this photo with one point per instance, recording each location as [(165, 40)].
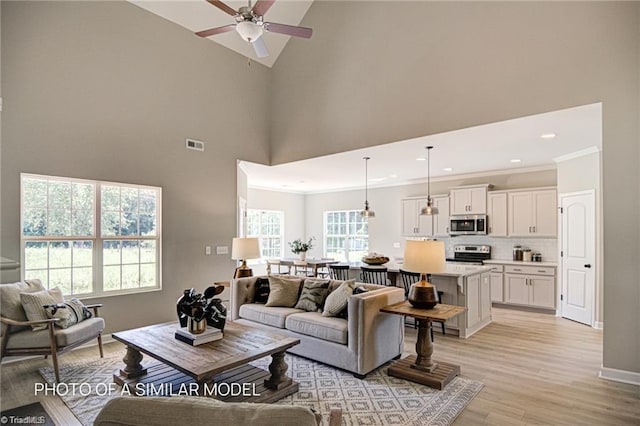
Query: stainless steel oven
[(468, 225)]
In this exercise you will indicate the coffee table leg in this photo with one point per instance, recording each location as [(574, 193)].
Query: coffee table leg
[(424, 348), (132, 361), (277, 368)]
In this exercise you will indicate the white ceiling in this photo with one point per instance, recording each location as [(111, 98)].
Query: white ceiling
[(197, 15), (474, 150)]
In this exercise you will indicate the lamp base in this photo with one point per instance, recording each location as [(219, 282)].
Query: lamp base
[(423, 294), (243, 271)]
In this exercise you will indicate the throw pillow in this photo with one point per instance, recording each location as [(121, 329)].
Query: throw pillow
[(337, 299), (70, 312), (345, 312), (33, 305), (314, 292), (10, 303), (283, 291), (262, 290)]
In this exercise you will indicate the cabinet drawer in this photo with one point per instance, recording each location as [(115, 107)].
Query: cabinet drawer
[(531, 270), (497, 268)]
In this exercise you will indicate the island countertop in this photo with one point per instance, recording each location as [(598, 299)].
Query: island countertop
[(452, 269)]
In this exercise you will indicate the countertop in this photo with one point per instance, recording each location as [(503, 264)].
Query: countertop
[(451, 269), (518, 262)]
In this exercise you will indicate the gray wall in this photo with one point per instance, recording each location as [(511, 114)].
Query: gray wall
[(107, 91), (363, 82)]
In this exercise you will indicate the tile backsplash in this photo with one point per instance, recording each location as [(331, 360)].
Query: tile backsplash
[(502, 248)]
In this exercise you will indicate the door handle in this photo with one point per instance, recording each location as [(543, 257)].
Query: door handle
[(588, 265)]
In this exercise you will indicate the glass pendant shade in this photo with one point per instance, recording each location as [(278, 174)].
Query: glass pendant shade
[(429, 209), (367, 212)]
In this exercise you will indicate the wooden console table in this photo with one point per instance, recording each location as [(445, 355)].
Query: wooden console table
[(421, 368)]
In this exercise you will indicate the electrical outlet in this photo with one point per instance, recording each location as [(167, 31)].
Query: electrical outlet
[(207, 250), (222, 250), (396, 245)]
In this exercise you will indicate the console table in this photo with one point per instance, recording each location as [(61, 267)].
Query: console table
[(421, 368)]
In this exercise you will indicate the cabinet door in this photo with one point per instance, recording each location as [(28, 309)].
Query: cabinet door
[(485, 296), (477, 201), (545, 213), (516, 289), (542, 291), (459, 200), (496, 287), (425, 223), (409, 218), (520, 217), (473, 300), (441, 220), (497, 214)]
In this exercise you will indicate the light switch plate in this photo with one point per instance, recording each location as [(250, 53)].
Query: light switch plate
[(207, 250), (396, 245), (222, 250)]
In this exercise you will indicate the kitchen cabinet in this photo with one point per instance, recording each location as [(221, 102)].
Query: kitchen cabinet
[(532, 213), (497, 213), (469, 200), (414, 224), (497, 284), (530, 286)]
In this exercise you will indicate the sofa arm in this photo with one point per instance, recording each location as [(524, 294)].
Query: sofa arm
[(374, 336), (243, 291)]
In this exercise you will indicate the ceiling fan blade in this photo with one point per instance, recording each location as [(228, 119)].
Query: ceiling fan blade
[(223, 7), (288, 29), (261, 6), (260, 48), (214, 31)]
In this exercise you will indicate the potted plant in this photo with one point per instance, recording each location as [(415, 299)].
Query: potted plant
[(300, 247)]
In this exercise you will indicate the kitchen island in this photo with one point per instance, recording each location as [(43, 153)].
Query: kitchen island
[(468, 286)]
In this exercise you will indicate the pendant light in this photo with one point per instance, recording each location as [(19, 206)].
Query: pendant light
[(430, 209), (366, 212)]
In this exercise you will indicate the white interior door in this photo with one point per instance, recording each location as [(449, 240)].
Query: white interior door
[(242, 217), (578, 256)]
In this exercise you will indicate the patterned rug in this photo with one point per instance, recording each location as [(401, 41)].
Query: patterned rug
[(377, 400)]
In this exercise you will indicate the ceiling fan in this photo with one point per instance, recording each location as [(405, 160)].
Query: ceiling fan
[(250, 25)]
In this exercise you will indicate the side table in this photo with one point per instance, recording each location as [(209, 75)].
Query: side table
[(421, 368)]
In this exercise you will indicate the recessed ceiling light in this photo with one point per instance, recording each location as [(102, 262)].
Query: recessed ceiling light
[(393, 176), (548, 135), (380, 179), (421, 159), (516, 160), (448, 169)]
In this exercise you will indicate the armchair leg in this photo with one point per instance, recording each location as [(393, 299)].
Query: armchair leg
[(56, 369), (54, 352), (100, 345)]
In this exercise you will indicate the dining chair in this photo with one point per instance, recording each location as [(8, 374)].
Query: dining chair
[(339, 272), (271, 263), (301, 267), (323, 270), (409, 278), (375, 275)]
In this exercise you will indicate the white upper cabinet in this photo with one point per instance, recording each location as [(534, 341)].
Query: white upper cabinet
[(532, 213), (469, 200), (441, 220), (497, 213), (413, 223)]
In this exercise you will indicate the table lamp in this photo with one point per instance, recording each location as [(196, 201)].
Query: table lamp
[(425, 257), (243, 249)]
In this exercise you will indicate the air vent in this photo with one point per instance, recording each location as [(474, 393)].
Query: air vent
[(194, 144)]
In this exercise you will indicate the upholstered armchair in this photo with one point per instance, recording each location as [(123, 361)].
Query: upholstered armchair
[(18, 338)]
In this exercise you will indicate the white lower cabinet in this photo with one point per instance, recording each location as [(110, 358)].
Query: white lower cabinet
[(524, 285), (497, 287)]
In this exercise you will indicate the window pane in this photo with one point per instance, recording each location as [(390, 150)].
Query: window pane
[(82, 253), (130, 252), (110, 198), (147, 201), (110, 223), (60, 278), (82, 223), (59, 254), (59, 195), (36, 255), (82, 194), (147, 275), (148, 251), (129, 199), (111, 252), (34, 222), (129, 223), (38, 274), (130, 276), (147, 225), (111, 277), (59, 222), (34, 192), (82, 280)]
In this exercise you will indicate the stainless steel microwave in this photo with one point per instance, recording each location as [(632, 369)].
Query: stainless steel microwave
[(468, 225)]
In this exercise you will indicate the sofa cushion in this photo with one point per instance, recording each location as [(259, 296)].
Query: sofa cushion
[(10, 303), (314, 292), (338, 298), (283, 291), (262, 290), (273, 316), (33, 304), (159, 411), (64, 336), (315, 325)]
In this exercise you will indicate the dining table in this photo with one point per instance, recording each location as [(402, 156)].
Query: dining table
[(314, 264)]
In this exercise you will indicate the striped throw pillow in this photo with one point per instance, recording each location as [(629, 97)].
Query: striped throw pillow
[(314, 292)]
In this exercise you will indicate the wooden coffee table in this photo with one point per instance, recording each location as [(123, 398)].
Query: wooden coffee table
[(421, 368), (210, 368)]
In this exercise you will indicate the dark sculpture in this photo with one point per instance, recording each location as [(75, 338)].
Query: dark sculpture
[(202, 306)]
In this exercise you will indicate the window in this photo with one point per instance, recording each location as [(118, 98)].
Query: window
[(267, 225), (90, 238), (346, 235)]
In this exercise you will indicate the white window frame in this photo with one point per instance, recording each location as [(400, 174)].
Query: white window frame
[(97, 238), (260, 236), (347, 236)]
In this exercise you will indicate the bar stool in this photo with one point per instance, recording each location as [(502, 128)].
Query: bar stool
[(375, 275), (339, 272)]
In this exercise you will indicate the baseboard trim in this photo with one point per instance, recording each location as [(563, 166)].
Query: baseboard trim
[(621, 376), (598, 325), (106, 338)]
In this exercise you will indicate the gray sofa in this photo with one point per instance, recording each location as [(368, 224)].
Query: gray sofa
[(360, 343)]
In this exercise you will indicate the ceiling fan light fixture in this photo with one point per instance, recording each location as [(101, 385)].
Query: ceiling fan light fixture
[(249, 31)]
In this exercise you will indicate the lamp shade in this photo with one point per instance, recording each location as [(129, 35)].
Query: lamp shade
[(249, 31), (245, 248), (426, 257)]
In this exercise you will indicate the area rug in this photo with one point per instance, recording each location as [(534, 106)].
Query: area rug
[(31, 414), (377, 400)]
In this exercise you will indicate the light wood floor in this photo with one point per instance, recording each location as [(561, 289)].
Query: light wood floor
[(537, 369)]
